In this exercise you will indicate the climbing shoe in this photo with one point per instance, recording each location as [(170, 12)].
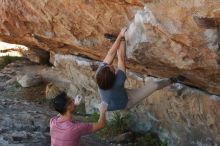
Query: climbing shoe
[(178, 79)]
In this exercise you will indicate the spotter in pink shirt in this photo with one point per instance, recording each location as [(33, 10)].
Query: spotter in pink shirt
[(67, 133)]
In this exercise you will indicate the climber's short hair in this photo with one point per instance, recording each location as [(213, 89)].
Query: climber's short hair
[(60, 103), (105, 78)]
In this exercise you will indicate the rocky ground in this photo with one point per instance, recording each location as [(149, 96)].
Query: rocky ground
[(25, 114), (26, 123), (23, 122)]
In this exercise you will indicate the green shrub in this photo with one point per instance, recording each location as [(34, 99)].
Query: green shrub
[(119, 122), (4, 60), (92, 118), (117, 125), (149, 139), (81, 109)]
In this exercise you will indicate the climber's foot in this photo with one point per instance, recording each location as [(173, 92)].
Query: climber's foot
[(178, 79)]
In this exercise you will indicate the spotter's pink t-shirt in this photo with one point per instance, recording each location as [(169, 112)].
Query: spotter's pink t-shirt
[(67, 133)]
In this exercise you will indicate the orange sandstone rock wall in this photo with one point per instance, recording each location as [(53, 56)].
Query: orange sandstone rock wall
[(166, 38)]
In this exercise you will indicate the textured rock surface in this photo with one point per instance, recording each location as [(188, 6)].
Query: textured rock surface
[(165, 38), (19, 126), (51, 91), (169, 37), (29, 80), (37, 55), (178, 38), (182, 115)]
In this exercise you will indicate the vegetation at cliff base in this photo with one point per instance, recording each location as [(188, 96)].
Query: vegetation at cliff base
[(5, 60), (119, 125)]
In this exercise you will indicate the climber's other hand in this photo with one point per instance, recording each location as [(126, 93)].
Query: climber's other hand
[(122, 33)]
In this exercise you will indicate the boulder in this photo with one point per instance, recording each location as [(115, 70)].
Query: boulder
[(52, 91), (29, 80), (177, 113), (38, 55)]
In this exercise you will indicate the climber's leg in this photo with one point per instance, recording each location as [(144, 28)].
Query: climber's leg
[(137, 95)]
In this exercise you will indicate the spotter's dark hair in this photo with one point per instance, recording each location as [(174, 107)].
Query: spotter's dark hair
[(60, 103)]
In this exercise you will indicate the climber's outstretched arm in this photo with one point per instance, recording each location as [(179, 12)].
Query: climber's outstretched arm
[(121, 54), (113, 50)]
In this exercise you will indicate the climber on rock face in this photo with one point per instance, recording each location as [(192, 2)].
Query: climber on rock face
[(111, 82)]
